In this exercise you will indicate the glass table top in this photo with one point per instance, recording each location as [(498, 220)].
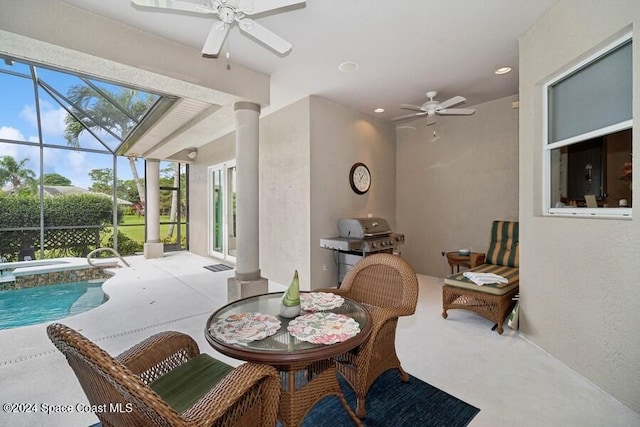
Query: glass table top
[(281, 345)]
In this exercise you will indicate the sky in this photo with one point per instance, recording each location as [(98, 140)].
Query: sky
[(18, 121)]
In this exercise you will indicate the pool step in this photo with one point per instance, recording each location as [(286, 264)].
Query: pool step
[(7, 277), (87, 301)]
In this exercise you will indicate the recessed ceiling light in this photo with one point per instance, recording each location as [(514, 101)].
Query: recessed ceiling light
[(348, 66), (379, 110), (502, 70)]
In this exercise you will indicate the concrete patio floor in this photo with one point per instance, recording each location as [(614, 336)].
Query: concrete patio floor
[(512, 381)]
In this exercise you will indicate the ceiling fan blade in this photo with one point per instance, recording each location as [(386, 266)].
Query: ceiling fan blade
[(267, 37), (411, 107), (252, 7), (215, 38), (451, 102), (408, 116), (457, 111), (173, 5)]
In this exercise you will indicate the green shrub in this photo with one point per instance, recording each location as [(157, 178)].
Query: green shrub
[(126, 246), (67, 221)]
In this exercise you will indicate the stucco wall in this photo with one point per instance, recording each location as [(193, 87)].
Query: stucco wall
[(341, 137), (450, 187), (579, 277), (223, 149), (306, 152)]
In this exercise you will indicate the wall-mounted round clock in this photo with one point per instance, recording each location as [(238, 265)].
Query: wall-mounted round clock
[(360, 178)]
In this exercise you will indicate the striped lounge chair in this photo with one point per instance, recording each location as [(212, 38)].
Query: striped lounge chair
[(495, 300)]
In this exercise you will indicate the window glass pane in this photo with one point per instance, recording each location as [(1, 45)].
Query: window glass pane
[(131, 181), (170, 205), (17, 115), (231, 211), (184, 185), (19, 166), (134, 103), (81, 102), (217, 217), (75, 218), (596, 96), (20, 213), (600, 167), (56, 128)]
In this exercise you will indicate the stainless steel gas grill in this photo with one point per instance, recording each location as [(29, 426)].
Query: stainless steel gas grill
[(360, 237)]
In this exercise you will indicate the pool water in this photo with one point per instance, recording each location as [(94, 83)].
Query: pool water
[(30, 306)]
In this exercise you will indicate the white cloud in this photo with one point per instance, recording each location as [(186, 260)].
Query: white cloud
[(28, 114), (11, 133), (52, 118)]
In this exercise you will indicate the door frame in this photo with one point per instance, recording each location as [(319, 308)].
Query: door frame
[(223, 167)]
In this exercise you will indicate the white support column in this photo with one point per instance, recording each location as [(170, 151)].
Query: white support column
[(247, 280), (153, 247)]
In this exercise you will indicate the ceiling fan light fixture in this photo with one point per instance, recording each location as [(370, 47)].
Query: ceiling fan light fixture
[(502, 70), (379, 110), (228, 13), (432, 108), (348, 66)]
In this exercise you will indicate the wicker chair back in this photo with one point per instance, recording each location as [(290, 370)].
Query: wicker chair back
[(387, 285), (118, 387)]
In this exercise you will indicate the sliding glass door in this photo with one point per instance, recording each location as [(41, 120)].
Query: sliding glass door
[(222, 210)]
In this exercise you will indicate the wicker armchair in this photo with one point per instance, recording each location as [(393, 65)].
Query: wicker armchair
[(165, 381), (388, 287)]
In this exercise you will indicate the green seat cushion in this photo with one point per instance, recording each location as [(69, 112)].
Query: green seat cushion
[(184, 386), (504, 244), (512, 274)]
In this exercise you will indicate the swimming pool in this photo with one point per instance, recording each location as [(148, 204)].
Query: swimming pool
[(30, 306)]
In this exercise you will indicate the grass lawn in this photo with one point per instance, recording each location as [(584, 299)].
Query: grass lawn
[(134, 228)]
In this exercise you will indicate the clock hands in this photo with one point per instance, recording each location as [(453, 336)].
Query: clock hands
[(360, 178)]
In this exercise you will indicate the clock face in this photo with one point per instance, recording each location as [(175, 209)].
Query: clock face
[(360, 178)]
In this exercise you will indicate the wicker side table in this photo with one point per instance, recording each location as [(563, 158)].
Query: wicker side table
[(472, 260)]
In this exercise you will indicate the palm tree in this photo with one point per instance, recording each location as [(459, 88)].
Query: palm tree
[(15, 172), (97, 113)]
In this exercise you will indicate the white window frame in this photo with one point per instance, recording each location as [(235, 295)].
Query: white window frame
[(547, 148)]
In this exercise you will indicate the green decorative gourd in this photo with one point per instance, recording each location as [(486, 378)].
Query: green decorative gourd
[(290, 306)]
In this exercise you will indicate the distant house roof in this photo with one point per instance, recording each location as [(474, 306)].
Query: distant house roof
[(57, 190)]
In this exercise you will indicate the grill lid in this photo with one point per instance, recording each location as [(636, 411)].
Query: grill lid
[(362, 228)]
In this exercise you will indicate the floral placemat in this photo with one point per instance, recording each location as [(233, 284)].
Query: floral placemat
[(245, 327), (323, 328), (320, 301)]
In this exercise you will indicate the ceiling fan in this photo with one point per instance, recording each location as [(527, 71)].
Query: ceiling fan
[(431, 108), (228, 12)]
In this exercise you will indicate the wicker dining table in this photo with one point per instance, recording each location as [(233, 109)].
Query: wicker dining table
[(307, 370)]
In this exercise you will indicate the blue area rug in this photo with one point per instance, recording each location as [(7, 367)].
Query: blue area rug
[(391, 402)]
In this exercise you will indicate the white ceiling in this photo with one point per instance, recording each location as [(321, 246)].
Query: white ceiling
[(404, 48)]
